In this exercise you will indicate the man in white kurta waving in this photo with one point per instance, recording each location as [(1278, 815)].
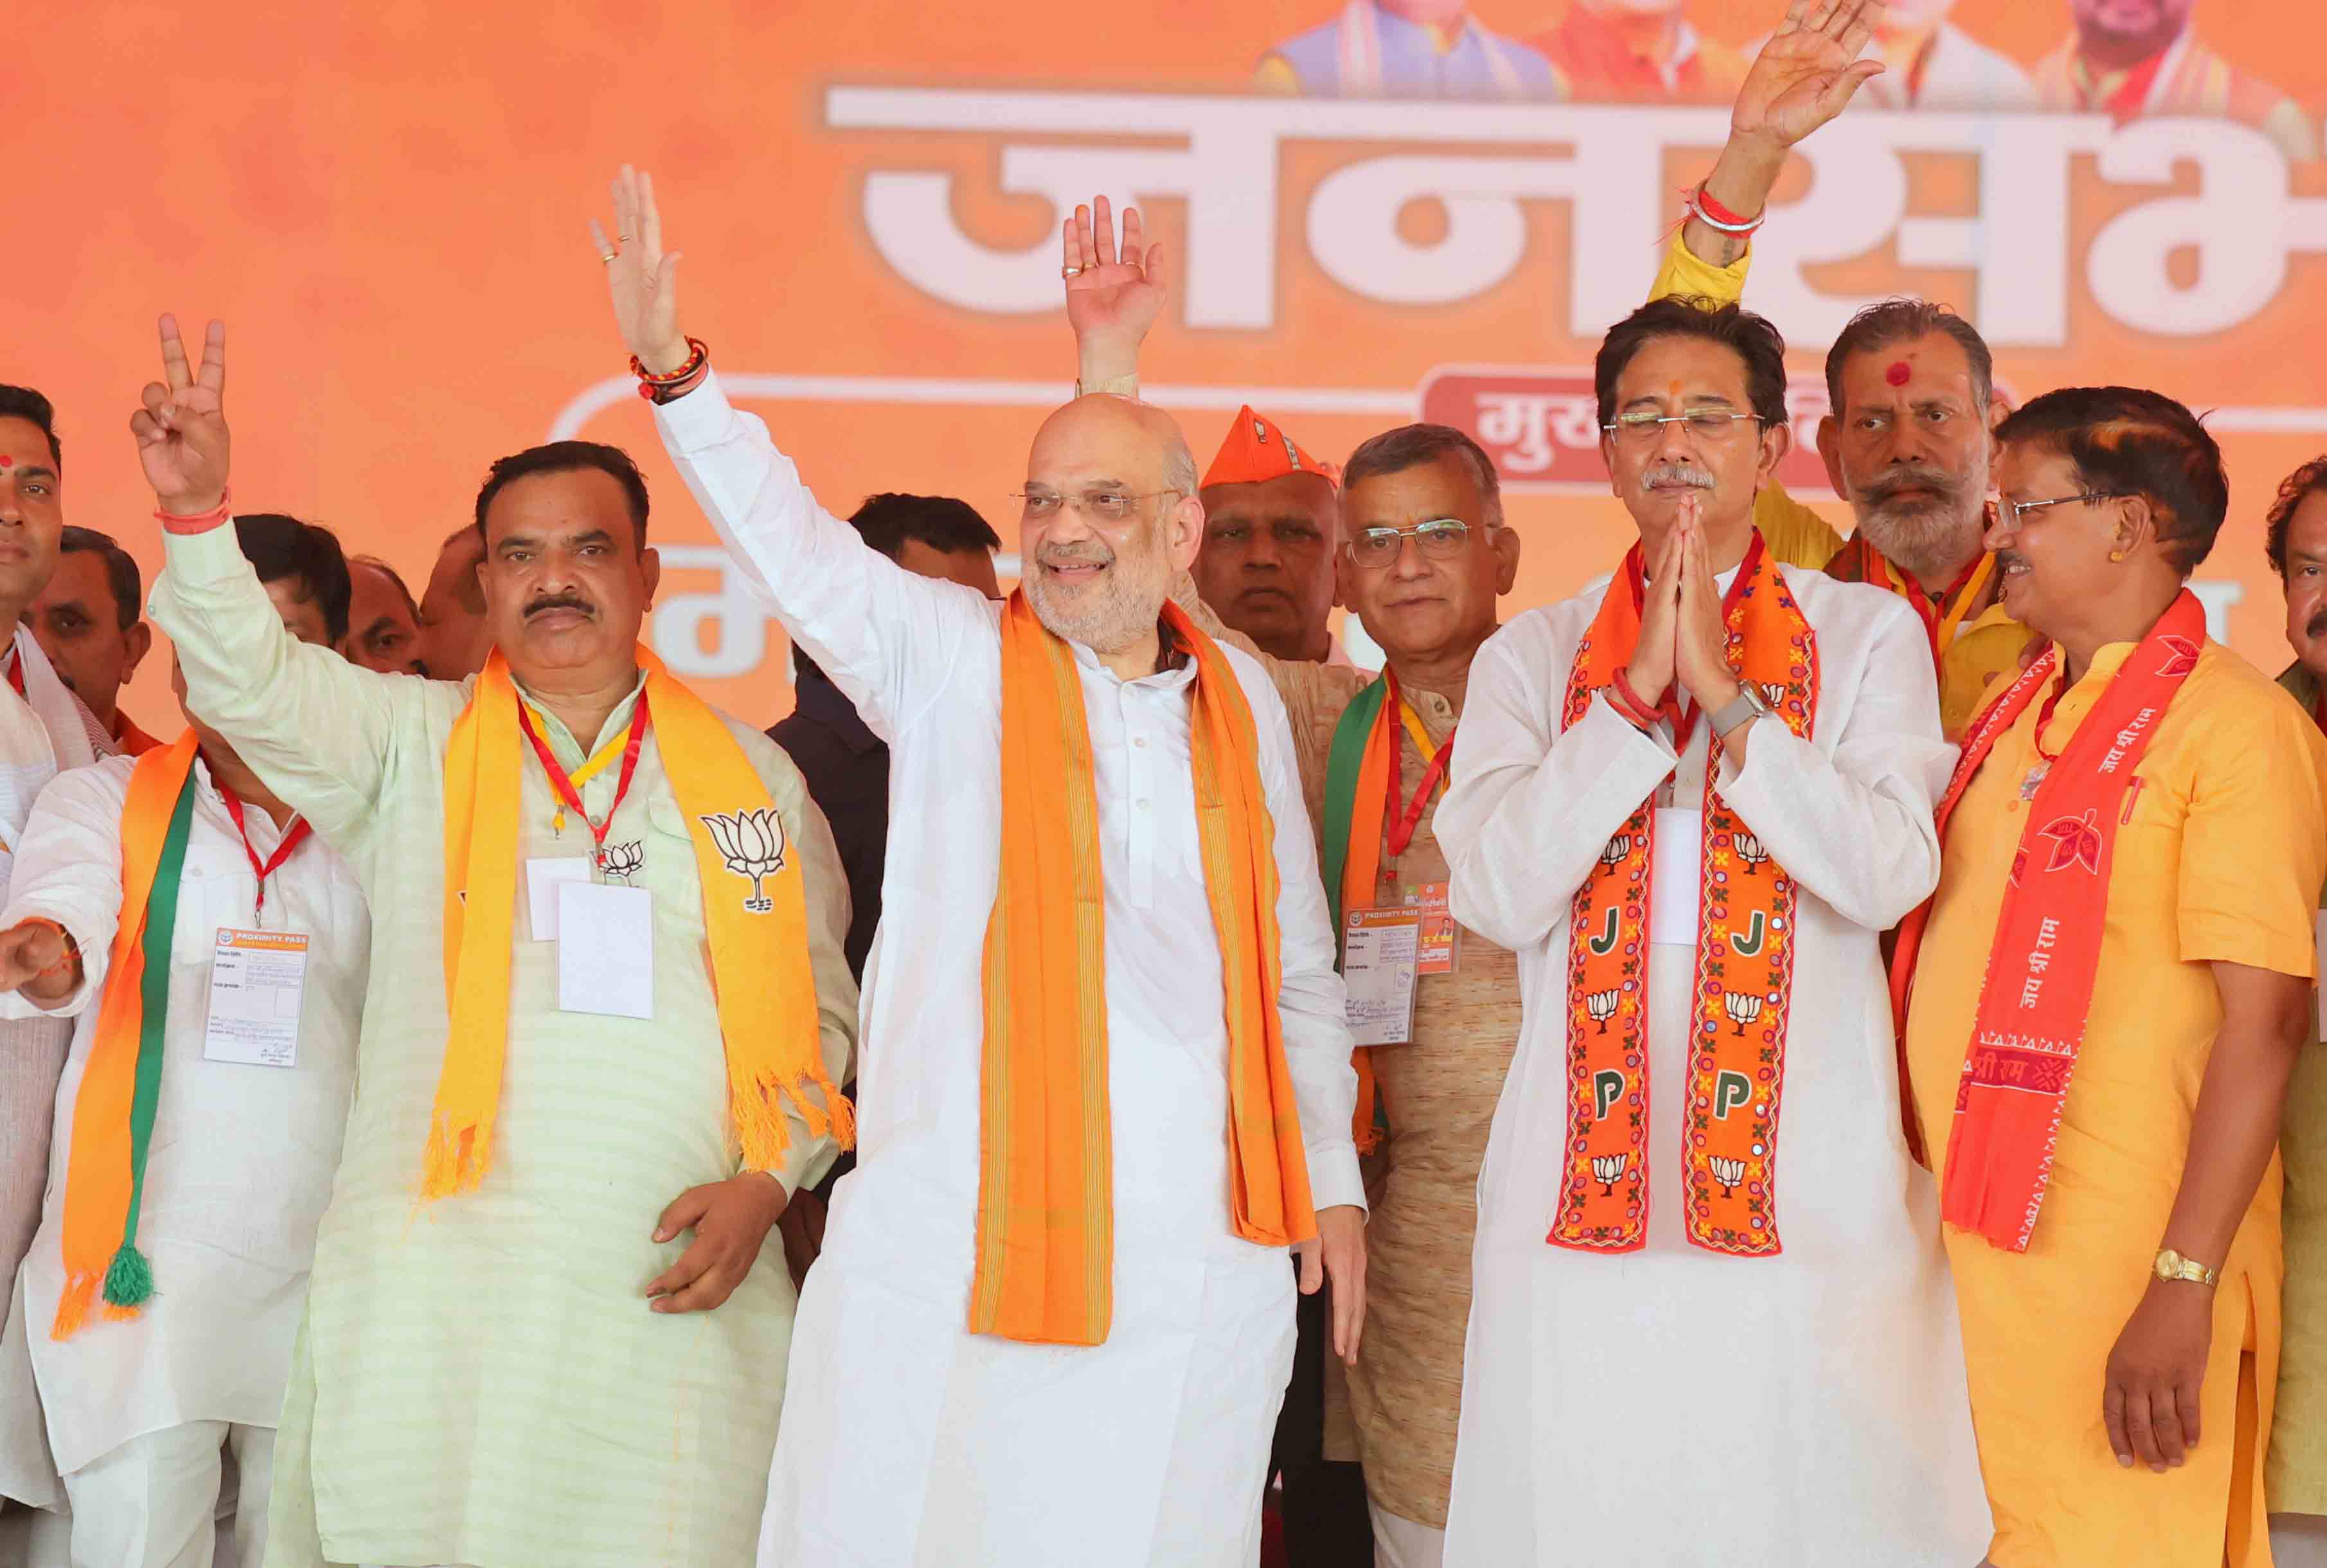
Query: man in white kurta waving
[(608, 1008), (1107, 1077), (1710, 1319)]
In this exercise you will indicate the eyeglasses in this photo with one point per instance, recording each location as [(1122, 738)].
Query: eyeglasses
[(1437, 539), (1101, 506), (1641, 428), (2016, 512)]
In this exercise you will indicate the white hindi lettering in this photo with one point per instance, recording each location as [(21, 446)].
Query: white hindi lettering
[(1606, 164), (738, 620)]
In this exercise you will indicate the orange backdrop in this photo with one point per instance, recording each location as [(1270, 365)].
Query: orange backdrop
[(386, 204)]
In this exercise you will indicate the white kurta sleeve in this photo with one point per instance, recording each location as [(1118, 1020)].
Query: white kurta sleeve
[(1854, 827), (888, 637), (69, 870), (1309, 1004), (317, 728), (1530, 808)]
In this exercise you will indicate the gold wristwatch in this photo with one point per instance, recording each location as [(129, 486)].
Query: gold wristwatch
[(2173, 1266)]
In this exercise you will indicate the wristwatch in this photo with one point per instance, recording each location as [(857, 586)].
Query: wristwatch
[(1747, 705), (2173, 1266)]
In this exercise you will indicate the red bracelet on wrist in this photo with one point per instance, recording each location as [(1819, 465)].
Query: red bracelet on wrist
[(1627, 702), (200, 522), (1700, 201), (663, 388)]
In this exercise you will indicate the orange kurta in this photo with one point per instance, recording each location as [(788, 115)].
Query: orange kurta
[(2221, 859)]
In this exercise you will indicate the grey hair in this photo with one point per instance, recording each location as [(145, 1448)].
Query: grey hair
[(1178, 464), (1902, 321), (1411, 446)]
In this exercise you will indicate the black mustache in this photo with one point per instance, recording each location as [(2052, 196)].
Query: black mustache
[(2317, 623), (560, 601)]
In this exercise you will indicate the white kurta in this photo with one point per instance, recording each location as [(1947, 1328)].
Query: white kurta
[(242, 1156), (1674, 1406), (44, 730), (908, 1442)]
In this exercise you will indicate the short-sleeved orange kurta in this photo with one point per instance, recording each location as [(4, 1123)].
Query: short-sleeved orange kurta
[(2221, 859)]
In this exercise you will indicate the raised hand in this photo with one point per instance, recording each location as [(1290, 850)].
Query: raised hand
[(641, 279), (39, 959), (1806, 74), (1112, 298), (181, 434)]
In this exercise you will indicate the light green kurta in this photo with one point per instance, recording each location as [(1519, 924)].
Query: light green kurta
[(480, 1380)]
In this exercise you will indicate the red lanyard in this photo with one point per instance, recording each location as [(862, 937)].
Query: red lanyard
[(1405, 816), (572, 798), (16, 674), (293, 837)]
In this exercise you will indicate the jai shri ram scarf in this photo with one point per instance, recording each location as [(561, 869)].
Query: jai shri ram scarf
[(121, 1086), (1045, 1214), (1742, 996), (757, 925), (2039, 983)]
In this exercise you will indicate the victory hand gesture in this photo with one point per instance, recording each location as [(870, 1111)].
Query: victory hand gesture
[(181, 434), (641, 279), (1808, 71)]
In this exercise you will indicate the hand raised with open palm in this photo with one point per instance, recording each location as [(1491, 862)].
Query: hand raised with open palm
[(1109, 300), (1808, 70), (181, 434), (641, 279)]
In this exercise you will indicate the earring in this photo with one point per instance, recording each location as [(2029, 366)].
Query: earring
[(2116, 554)]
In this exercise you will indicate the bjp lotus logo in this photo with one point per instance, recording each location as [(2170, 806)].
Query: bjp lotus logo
[(752, 841), (621, 861), (2076, 841), (2181, 656)]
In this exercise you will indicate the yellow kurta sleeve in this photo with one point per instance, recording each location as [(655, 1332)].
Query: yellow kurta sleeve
[(2254, 848), (1689, 275)]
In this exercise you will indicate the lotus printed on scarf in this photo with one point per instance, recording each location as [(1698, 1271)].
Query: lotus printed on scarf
[(754, 845)]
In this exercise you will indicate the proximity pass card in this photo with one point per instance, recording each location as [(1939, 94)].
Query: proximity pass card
[(1377, 970), (1435, 951), (542, 876), (605, 949), (257, 981)]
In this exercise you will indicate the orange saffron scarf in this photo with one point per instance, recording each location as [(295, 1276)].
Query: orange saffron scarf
[(1045, 1204), (1743, 992), (121, 1087), (756, 923), (2041, 965)]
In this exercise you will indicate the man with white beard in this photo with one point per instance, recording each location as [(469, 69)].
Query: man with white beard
[(1107, 1078)]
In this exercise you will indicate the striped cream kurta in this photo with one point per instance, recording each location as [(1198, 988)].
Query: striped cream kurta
[(480, 1380)]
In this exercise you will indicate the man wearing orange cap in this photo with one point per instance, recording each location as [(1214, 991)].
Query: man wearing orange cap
[(1271, 519)]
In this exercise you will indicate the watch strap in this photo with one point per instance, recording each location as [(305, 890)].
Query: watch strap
[(1747, 704)]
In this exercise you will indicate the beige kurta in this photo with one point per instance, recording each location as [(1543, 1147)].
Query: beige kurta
[(2297, 1469), (479, 1379)]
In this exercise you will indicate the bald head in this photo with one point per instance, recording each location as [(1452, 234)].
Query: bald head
[(1111, 518), (1136, 442)]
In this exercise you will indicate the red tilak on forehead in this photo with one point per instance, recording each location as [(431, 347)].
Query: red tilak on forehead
[(1898, 373), (6, 461)]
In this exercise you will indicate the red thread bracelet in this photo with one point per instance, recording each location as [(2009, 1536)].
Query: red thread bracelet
[(661, 389), (199, 522), (1701, 202), (1629, 704)]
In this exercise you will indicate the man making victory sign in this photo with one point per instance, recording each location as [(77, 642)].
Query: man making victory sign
[(608, 1007)]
